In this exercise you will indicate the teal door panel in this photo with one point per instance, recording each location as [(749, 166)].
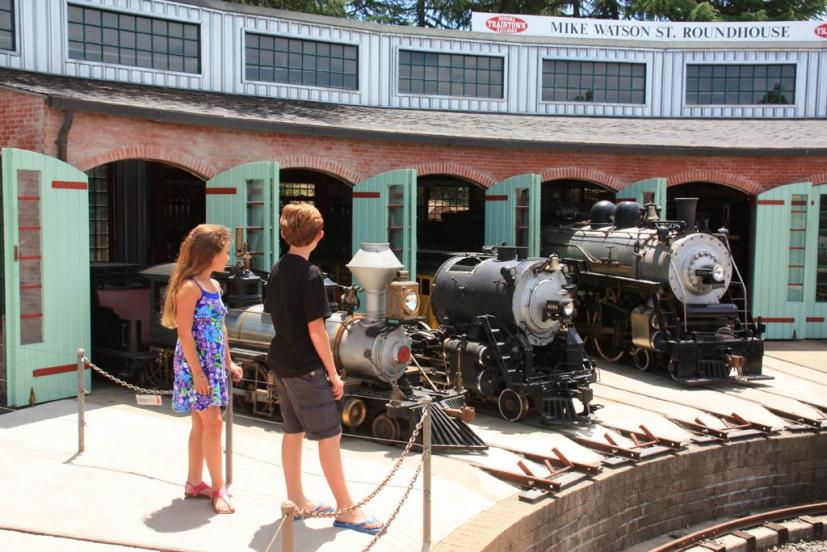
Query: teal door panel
[(779, 288), (512, 213), (384, 211), (46, 276), (248, 195), (815, 279), (644, 191)]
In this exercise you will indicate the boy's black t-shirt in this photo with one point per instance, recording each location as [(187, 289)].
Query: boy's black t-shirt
[(296, 296)]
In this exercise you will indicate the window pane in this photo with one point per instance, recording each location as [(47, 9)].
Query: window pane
[(311, 63), (598, 82), (741, 84), (821, 261), (101, 35), (450, 74)]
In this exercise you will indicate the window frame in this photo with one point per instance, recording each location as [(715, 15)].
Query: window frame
[(647, 71), (246, 80), (396, 74), (16, 31), (685, 76), (120, 11)]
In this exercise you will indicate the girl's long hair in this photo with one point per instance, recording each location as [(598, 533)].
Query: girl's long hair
[(197, 252)]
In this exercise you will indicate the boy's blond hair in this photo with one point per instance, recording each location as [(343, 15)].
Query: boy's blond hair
[(300, 223)]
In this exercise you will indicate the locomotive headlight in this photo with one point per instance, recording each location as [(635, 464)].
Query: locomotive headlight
[(718, 273), (568, 308), (411, 301)]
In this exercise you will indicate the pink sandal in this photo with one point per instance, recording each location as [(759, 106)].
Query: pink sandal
[(223, 495), (197, 491)]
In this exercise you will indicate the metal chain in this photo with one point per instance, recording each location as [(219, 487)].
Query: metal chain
[(284, 518), (387, 524), (381, 486), (135, 388)]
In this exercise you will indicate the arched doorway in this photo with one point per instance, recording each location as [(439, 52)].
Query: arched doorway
[(139, 212), (450, 215), (721, 206), (334, 200), (564, 202)]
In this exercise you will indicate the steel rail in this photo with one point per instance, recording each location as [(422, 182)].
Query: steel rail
[(741, 523)]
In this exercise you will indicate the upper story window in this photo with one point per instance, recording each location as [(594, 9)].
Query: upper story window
[(740, 84), (450, 74), (299, 61), (7, 25), (594, 81), (112, 37)]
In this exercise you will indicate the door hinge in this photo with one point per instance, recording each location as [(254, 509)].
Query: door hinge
[(16, 253)]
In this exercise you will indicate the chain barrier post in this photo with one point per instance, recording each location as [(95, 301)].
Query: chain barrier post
[(426, 468), (81, 403), (228, 452), (288, 510)]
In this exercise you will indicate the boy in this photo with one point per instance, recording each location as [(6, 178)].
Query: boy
[(307, 382)]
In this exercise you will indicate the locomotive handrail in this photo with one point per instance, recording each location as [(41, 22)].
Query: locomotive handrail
[(585, 253), (683, 290)]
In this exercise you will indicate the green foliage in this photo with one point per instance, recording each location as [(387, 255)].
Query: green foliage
[(456, 14)]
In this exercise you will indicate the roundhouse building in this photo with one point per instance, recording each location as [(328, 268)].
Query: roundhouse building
[(126, 122)]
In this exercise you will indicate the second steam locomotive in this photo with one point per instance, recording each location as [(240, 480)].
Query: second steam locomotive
[(661, 291)]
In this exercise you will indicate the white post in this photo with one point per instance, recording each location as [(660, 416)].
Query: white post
[(426, 469), (81, 403), (228, 452)]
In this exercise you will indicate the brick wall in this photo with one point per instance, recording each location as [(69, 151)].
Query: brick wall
[(26, 122), (626, 506), (22, 120), (97, 139)]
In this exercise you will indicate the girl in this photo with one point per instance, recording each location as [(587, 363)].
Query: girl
[(202, 357)]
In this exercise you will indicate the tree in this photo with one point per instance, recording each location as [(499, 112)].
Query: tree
[(335, 8)]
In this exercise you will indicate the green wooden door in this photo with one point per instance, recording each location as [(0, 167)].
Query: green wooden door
[(778, 290), (384, 210), (645, 191), (815, 278), (512, 213), (248, 195), (46, 306)]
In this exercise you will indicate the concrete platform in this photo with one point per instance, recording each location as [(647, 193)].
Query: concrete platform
[(127, 486)]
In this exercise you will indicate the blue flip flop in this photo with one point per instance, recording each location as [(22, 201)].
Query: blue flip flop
[(361, 526), (319, 509)]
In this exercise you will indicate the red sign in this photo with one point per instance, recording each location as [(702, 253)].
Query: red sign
[(511, 24), (821, 30)]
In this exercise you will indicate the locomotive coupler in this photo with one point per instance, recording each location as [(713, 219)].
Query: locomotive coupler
[(394, 406)]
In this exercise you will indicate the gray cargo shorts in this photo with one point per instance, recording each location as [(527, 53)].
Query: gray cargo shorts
[(307, 405)]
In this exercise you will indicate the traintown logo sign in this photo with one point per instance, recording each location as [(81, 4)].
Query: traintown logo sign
[(566, 27), (506, 24)]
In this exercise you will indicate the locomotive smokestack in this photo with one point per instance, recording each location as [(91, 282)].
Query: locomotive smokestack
[(685, 209), (375, 266)]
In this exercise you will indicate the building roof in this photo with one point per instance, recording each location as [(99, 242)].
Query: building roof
[(656, 135)]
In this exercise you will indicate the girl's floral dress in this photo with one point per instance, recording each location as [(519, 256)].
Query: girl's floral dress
[(208, 331)]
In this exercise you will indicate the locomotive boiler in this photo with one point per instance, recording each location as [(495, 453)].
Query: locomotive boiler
[(372, 351), (505, 335), (661, 291)]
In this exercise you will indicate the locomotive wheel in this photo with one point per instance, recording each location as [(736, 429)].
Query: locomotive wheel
[(608, 350), (642, 359), (354, 412), (259, 377), (385, 427), (512, 405), (158, 375)]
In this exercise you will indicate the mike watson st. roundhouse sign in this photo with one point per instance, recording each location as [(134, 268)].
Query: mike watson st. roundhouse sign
[(567, 27)]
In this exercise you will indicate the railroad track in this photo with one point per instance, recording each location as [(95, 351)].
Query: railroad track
[(756, 532)]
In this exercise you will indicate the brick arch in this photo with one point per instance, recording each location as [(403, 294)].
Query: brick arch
[(818, 179), (582, 173), (740, 183), (348, 176), (464, 172), (168, 156)]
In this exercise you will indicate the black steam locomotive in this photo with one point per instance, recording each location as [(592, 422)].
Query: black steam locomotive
[(505, 335), (661, 291)]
